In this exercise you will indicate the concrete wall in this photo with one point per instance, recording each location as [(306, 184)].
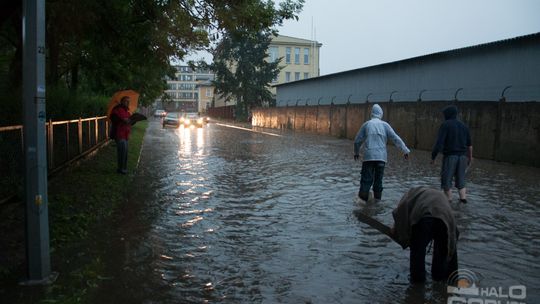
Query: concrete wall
[(500, 131)]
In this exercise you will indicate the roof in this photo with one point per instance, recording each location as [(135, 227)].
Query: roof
[(280, 39), (489, 45)]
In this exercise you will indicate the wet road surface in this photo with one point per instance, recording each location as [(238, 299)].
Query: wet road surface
[(226, 215)]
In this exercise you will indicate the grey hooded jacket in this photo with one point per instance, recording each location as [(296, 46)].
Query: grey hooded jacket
[(373, 136)]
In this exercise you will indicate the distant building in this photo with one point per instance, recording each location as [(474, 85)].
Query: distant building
[(205, 90), (183, 90), (300, 59), (193, 91)]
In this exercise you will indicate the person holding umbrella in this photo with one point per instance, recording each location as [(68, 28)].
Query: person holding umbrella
[(121, 124)]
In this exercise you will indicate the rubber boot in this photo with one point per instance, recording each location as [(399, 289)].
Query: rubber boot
[(377, 195)]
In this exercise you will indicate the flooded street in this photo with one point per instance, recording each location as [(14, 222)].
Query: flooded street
[(228, 215)]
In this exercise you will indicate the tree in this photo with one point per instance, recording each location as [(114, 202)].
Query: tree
[(243, 71), (101, 46)]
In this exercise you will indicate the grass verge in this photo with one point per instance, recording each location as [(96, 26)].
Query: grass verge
[(82, 199)]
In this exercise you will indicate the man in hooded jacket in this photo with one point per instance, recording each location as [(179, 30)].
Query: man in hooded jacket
[(454, 141), (373, 137)]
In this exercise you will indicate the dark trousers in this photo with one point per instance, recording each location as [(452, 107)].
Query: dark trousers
[(372, 174), (427, 229), (122, 153)]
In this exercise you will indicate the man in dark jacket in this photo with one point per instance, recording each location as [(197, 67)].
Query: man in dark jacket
[(422, 215), (454, 141)]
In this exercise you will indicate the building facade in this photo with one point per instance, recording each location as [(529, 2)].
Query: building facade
[(183, 89), (192, 91), (205, 89), (299, 59)]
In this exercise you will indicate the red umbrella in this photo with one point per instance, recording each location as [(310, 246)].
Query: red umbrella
[(115, 100)]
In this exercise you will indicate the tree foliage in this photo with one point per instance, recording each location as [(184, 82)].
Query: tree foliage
[(243, 71), (101, 46)]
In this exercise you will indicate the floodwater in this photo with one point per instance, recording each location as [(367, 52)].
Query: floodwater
[(228, 215)]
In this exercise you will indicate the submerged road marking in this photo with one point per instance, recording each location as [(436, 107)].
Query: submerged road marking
[(250, 130)]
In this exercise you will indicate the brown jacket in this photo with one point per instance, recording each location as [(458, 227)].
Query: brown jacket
[(422, 202)]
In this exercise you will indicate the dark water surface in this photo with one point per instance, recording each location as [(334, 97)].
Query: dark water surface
[(225, 215)]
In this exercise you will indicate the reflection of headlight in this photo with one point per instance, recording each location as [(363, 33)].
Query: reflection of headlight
[(187, 121)]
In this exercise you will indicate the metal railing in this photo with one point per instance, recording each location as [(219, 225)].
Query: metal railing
[(67, 141)]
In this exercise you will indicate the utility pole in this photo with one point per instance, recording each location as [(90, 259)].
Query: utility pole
[(37, 215)]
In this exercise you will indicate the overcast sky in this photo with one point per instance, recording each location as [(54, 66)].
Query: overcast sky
[(361, 33)]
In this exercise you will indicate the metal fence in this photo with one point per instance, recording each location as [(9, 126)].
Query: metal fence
[(67, 141)]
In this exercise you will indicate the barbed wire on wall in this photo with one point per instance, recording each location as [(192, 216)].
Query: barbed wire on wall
[(506, 93)]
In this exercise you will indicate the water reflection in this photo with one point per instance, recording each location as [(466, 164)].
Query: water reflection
[(240, 216)]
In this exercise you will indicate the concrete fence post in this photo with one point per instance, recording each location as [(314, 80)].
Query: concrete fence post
[(331, 116), (317, 117), (498, 124)]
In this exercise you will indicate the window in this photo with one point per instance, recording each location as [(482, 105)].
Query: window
[(172, 94), (306, 75), (171, 86), (186, 86), (297, 76), (208, 92), (306, 56), (273, 53), (185, 95), (288, 55), (287, 76), (186, 77), (297, 55)]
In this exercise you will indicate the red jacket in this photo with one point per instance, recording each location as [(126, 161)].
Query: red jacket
[(122, 129)]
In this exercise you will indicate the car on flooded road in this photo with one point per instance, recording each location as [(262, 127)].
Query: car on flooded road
[(193, 119), (160, 113), (171, 119)]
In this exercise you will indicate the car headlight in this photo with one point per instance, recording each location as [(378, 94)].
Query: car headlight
[(200, 120), (187, 121)]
